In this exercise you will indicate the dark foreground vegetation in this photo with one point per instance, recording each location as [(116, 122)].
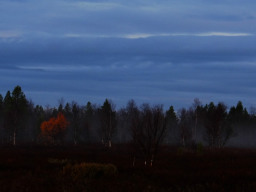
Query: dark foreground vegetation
[(41, 168), (98, 148)]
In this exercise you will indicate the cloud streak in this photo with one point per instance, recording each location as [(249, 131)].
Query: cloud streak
[(209, 34), (9, 34)]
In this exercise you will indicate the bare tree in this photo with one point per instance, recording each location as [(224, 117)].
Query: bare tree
[(123, 125), (185, 126), (148, 130)]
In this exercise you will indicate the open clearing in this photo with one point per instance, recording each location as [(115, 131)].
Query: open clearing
[(40, 168)]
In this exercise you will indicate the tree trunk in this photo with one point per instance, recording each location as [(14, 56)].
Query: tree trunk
[(133, 162), (14, 138), (75, 142), (183, 141), (195, 131)]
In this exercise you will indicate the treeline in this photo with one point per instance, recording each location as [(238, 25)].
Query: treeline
[(145, 126)]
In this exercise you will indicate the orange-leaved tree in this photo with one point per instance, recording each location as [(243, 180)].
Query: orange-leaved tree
[(54, 128)]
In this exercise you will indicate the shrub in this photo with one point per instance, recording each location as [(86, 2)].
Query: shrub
[(89, 171), (57, 161), (180, 151), (199, 147)]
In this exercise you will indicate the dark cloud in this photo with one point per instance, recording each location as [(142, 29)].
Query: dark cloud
[(157, 52), (120, 17), (110, 51)]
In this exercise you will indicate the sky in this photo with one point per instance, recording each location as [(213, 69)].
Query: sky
[(158, 52)]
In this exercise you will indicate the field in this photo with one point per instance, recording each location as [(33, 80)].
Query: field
[(40, 168)]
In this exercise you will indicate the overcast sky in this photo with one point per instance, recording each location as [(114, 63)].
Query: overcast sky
[(161, 52)]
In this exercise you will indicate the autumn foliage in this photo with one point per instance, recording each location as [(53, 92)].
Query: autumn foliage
[(54, 128)]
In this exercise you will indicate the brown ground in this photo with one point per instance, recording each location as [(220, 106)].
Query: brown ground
[(28, 168)]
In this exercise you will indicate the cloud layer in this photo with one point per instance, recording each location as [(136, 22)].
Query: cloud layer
[(157, 52)]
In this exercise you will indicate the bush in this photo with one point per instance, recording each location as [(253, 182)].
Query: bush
[(57, 161), (199, 147), (180, 151), (89, 171)]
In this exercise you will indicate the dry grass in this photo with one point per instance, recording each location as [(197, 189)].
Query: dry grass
[(35, 168)]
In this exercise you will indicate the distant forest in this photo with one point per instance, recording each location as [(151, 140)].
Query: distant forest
[(144, 126)]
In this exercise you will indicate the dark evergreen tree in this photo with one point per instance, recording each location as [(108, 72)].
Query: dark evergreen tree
[(75, 122), (1, 118), (238, 115), (15, 108), (108, 122), (171, 125), (89, 123), (218, 128), (8, 117), (60, 108)]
